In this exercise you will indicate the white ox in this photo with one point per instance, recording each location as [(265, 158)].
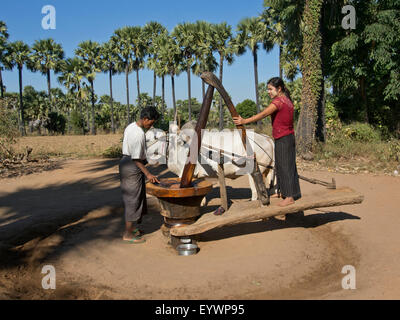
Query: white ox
[(178, 143)]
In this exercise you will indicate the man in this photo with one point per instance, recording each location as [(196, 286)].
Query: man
[(133, 172)]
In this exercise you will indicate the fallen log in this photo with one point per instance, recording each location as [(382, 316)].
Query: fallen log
[(241, 212)]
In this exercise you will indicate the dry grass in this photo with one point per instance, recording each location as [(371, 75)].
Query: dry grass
[(74, 146)]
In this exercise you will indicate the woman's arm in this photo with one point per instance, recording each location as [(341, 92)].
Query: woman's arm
[(265, 113)]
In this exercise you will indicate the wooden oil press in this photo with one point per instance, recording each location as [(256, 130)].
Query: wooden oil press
[(180, 198)]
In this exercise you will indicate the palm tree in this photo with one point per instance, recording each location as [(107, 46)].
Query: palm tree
[(72, 74), (125, 40), (205, 60), (124, 47), (186, 36), (139, 52), (3, 51), (251, 32), (275, 28), (151, 31), (111, 63), (160, 67), (46, 56), (18, 55), (221, 42), (89, 52), (171, 61)]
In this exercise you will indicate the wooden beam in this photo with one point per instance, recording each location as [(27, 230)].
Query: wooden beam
[(241, 212)]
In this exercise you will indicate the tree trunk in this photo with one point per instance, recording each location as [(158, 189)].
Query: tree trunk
[(138, 93), (364, 99), (280, 62), (163, 96), (312, 77), (88, 118), (80, 109), (173, 96), (221, 108), (255, 59), (1, 85), (321, 121), (189, 93), (203, 88), (112, 104), (154, 88), (21, 104), (93, 125), (69, 120), (49, 91), (128, 117)]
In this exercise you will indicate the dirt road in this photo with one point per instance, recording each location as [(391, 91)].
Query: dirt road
[(72, 218)]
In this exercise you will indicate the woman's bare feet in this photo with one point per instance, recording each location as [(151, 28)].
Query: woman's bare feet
[(286, 202)]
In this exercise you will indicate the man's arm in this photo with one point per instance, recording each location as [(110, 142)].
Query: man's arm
[(146, 172)]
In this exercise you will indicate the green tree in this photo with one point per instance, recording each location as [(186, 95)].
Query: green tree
[(251, 33), (171, 61), (46, 56), (246, 108), (186, 36), (19, 55), (312, 76), (151, 31), (129, 42), (205, 60), (222, 43), (3, 50), (89, 52), (111, 63), (73, 72)]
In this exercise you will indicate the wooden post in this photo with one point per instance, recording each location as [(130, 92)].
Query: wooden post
[(191, 162), (221, 180)]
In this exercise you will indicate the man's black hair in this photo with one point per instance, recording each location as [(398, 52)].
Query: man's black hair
[(150, 113)]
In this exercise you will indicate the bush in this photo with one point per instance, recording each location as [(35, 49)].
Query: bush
[(77, 122), (8, 132), (361, 132), (115, 151), (247, 108), (55, 123), (394, 150)]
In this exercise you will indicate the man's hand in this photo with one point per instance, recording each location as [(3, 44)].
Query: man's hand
[(152, 178)]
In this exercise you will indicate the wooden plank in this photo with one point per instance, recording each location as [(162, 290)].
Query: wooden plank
[(222, 186), (241, 212)]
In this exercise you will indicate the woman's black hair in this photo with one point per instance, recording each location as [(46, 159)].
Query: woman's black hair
[(150, 113), (278, 83)]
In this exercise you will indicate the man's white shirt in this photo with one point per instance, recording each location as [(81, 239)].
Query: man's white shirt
[(134, 143)]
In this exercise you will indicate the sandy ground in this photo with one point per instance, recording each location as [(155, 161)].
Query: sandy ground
[(72, 218)]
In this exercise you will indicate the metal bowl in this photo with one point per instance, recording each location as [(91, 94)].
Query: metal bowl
[(186, 240), (187, 249)]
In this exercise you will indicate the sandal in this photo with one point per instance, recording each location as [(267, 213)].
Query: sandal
[(137, 232), (136, 240)]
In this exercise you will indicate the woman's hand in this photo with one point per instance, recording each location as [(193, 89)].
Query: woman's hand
[(239, 120), (152, 178)]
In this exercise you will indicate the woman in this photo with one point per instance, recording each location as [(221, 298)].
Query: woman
[(281, 110)]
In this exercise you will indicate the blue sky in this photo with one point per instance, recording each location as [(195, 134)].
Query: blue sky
[(78, 21)]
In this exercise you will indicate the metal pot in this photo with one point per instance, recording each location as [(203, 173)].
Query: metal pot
[(187, 249)]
